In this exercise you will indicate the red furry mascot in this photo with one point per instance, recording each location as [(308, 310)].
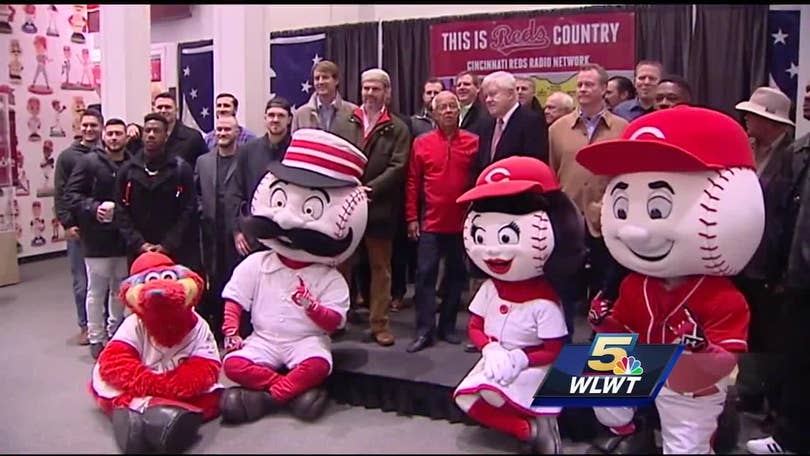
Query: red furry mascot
[(157, 378)]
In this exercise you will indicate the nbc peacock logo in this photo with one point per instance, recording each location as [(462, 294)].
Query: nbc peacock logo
[(628, 366)]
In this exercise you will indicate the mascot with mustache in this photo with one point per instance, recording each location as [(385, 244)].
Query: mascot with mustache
[(157, 377), (310, 210)]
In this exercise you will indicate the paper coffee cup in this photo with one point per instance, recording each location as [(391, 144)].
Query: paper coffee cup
[(108, 207)]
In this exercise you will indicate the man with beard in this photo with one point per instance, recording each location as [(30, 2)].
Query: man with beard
[(251, 164), (90, 195), (214, 170), (155, 203), (183, 141), (90, 124)]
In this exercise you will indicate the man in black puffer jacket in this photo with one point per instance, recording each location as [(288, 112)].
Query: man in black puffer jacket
[(89, 195)]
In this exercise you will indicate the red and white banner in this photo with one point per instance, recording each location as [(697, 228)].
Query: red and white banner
[(537, 45)]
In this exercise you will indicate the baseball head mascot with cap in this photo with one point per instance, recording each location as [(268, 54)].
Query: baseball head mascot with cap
[(520, 227), (683, 210), (158, 375), (311, 211)]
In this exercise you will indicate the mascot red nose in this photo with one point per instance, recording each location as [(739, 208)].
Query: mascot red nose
[(157, 377)]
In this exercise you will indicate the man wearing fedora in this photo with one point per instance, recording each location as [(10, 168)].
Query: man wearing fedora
[(769, 128)]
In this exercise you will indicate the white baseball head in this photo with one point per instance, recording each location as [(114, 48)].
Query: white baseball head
[(684, 198), (310, 207)]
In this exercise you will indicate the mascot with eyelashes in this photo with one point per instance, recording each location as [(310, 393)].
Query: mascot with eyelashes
[(683, 210), (157, 377), (520, 228), (311, 211)]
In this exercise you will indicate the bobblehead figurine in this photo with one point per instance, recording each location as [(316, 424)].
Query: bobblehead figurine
[(34, 124), (683, 210), (6, 17), (30, 14), (56, 129), (78, 110), (520, 227), (37, 224), (78, 21), (67, 53), (86, 83), (15, 66), (157, 378), (41, 48), (53, 13), (311, 211)]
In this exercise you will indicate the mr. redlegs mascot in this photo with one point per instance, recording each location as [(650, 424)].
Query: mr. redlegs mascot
[(157, 377), (311, 211), (520, 228), (683, 209)]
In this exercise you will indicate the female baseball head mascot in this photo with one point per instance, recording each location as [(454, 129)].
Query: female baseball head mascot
[(683, 209), (520, 228), (311, 211)]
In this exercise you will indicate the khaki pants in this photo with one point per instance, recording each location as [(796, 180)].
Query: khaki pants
[(379, 259)]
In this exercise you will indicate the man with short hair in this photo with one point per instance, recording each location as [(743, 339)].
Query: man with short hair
[(185, 142), (90, 128), (526, 89), (673, 90), (619, 89), (474, 117), (558, 104), (90, 196), (385, 140), (422, 122), (155, 203), (211, 176), (225, 104), (648, 74), (251, 166), (325, 106), (439, 172), (512, 129)]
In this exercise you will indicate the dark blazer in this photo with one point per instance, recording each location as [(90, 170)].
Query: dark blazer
[(205, 181), (526, 134), (477, 118), (797, 274), (187, 143)]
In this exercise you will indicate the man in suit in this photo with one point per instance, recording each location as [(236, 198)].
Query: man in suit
[(211, 175), (512, 129), (183, 141), (473, 116)]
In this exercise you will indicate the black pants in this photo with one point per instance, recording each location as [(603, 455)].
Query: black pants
[(403, 263), (791, 423), (606, 274), (432, 247)]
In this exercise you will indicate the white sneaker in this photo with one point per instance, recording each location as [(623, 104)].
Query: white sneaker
[(765, 445)]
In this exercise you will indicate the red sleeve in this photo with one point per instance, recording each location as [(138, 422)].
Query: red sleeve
[(475, 331), (326, 318), (193, 377), (230, 321), (726, 324), (413, 184), (120, 365), (541, 355)]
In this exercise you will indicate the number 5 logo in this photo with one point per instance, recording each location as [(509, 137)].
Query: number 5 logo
[(615, 346)]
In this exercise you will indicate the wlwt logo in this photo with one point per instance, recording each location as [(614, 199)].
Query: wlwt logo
[(607, 373)]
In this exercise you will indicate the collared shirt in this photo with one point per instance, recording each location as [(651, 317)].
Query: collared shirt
[(508, 115), (630, 110), (367, 125), (245, 135), (463, 113), (591, 122), (326, 112)]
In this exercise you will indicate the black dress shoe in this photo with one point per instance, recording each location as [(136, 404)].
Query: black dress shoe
[(451, 338), (420, 343), (642, 441), (471, 348)]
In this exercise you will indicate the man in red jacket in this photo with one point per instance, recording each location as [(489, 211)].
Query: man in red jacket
[(439, 171)]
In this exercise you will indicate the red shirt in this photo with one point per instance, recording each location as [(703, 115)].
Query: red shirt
[(645, 307), (438, 173)]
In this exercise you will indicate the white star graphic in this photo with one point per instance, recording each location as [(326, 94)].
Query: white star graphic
[(305, 86), (204, 112), (793, 70), (193, 93), (779, 37), (316, 59), (186, 71)]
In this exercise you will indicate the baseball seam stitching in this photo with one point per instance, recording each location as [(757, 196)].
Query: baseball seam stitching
[(712, 257), (346, 211), (540, 243)]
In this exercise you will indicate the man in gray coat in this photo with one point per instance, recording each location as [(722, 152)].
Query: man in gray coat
[(325, 108), (211, 175)]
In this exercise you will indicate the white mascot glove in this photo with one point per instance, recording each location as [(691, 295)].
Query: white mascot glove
[(518, 361), (496, 361)]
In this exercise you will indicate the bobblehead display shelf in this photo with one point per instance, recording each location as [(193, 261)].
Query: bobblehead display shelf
[(422, 383)]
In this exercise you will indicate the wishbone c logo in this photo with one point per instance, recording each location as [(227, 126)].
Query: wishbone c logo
[(497, 175), (648, 130)]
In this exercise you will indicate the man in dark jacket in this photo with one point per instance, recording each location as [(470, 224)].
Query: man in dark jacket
[(90, 195), (251, 166), (385, 140), (183, 141), (474, 116), (155, 203), (90, 124)]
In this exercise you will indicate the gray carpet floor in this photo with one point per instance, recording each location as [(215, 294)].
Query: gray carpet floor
[(46, 406)]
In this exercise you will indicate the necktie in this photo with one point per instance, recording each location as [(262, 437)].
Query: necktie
[(496, 137)]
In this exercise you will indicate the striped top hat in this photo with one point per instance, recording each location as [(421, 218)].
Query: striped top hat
[(320, 159)]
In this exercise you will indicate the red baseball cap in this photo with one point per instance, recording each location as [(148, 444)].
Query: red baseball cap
[(680, 139), (512, 176)]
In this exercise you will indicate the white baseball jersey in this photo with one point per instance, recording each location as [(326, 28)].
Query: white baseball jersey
[(199, 342), (264, 286), (514, 325)]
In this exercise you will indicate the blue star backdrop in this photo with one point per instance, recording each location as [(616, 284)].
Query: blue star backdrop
[(291, 62), (783, 52), (196, 82)]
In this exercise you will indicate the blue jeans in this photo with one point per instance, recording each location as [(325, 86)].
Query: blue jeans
[(79, 273), (432, 246)]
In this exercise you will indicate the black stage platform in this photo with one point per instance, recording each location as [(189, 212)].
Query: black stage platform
[(393, 380)]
